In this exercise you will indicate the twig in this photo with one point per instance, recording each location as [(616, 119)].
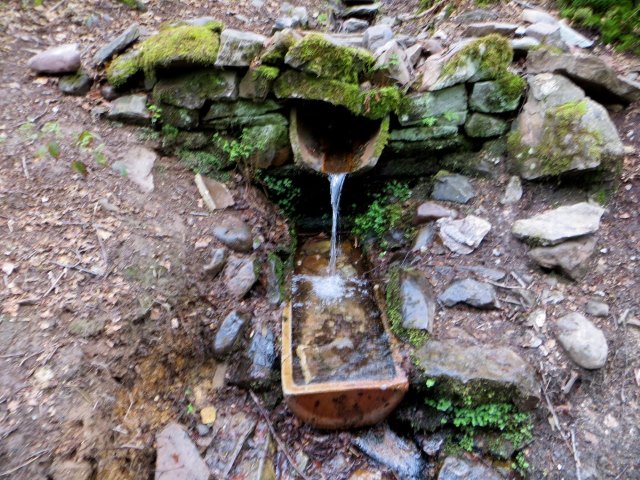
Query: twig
[(569, 385), (12, 355), (238, 449), (429, 11), (105, 256), (54, 284), (25, 169), (75, 267), (519, 279), (550, 405), (576, 457), (27, 358), (502, 285), (31, 459), (275, 436)]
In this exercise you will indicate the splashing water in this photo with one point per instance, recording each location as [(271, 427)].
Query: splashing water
[(336, 181)]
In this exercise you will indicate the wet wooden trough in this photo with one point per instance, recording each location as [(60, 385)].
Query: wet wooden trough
[(340, 365)]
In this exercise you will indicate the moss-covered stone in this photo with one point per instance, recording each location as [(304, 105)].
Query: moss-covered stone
[(443, 107), (179, 117), (422, 149), (418, 134), (278, 46), (374, 104), (270, 144), (481, 125), (394, 311), (192, 90), (241, 108), (501, 95), (257, 82), (236, 122), (317, 55), (124, 69)]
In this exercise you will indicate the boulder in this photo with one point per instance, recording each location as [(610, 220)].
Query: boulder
[(443, 107), (239, 49), (393, 59), (482, 125), (76, 84), (485, 58), (557, 225), (215, 194), (590, 71), (229, 332), (582, 340), (571, 258), (497, 96), (56, 60), (452, 188), (234, 233), (469, 291), (240, 274), (560, 130), (117, 45), (377, 36), (428, 211), (465, 235), (483, 373), (177, 458), (193, 90)]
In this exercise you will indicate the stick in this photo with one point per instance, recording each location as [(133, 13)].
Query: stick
[(25, 169), (275, 436), (53, 285), (27, 358), (31, 459), (429, 11), (105, 256), (238, 449), (576, 457), (12, 355), (75, 267)]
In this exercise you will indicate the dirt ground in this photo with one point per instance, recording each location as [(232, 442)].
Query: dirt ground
[(107, 318)]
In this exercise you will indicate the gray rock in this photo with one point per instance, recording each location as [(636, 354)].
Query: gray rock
[(489, 97), (560, 130), (469, 291), (361, 10), (571, 258), (453, 188), (238, 49), (197, 21), (377, 36), (597, 309), (217, 262), (71, 470), (229, 332), (108, 92), (117, 45), (572, 38), (235, 234), (538, 16), (432, 46), (130, 109), (301, 15), (393, 58), (414, 53), (482, 125), (487, 28), (424, 239), (583, 341), (428, 211), (240, 276), (456, 468), (547, 34), (447, 106), (559, 224), (255, 370), (589, 70), (524, 44), (432, 444), (192, 90), (354, 25), (474, 16), (399, 455), (76, 84), (215, 195), (489, 273), (177, 457), (202, 430), (347, 39), (137, 165), (284, 23), (56, 60), (387, 20), (513, 192), (463, 236), (418, 301), (493, 373), (274, 278)]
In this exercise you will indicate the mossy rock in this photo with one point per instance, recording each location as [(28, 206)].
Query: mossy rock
[(418, 134), (443, 107), (123, 70), (244, 113), (270, 144), (192, 90), (482, 125), (374, 103), (257, 82), (179, 117), (277, 47), (422, 149), (317, 55), (501, 95), (246, 121)]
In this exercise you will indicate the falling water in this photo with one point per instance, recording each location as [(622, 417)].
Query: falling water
[(336, 180)]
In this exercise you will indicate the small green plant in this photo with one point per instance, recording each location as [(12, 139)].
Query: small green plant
[(237, 150), (428, 121), (322, 19), (156, 113), (430, 382), (282, 191), (205, 162), (384, 213), (52, 128), (84, 140), (520, 464)]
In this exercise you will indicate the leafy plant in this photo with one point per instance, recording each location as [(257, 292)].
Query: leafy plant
[(205, 162), (282, 191), (156, 113), (428, 121), (322, 19)]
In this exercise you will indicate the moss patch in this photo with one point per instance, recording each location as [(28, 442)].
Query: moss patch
[(124, 69), (493, 54), (394, 312), (317, 55)]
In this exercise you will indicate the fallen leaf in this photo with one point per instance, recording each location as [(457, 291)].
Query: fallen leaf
[(208, 415)]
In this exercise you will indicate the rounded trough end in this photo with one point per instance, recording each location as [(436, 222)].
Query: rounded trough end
[(330, 139)]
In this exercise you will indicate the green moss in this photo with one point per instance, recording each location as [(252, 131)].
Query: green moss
[(394, 312), (191, 90), (265, 73), (196, 45), (493, 52), (317, 55), (383, 137), (123, 69), (277, 48), (511, 86), (374, 104)]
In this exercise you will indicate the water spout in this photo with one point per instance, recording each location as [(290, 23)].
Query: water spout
[(336, 181)]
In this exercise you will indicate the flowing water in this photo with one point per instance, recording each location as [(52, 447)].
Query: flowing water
[(336, 181)]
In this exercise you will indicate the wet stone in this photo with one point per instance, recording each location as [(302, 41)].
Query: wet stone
[(76, 84), (392, 451), (597, 309), (455, 468), (235, 234), (428, 211), (585, 343), (56, 60), (229, 332), (492, 373), (571, 258), (469, 291), (453, 188), (240, 276), (117, 45), (418, 301), (274, 277), (130, 109), (255, 370), (218, 259), (177, 457)]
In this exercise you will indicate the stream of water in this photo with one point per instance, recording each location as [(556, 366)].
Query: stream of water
[(336, 181)]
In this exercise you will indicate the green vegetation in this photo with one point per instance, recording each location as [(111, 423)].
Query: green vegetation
[(384, 214), (493, 52), (124, 69), (617, 21), (322, 19), (213, 164), (282, 191), (133, 4), (394, 312), (156, 113)]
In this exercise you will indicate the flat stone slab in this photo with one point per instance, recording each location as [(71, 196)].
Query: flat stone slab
[(137, 166), (582, 340), (490, 373), (117, 45), (571, 258), (453, 188), (177, 457), (469, 291), (465, 235), (215, 194), (56, 60), (563, 223), (433, 211)]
